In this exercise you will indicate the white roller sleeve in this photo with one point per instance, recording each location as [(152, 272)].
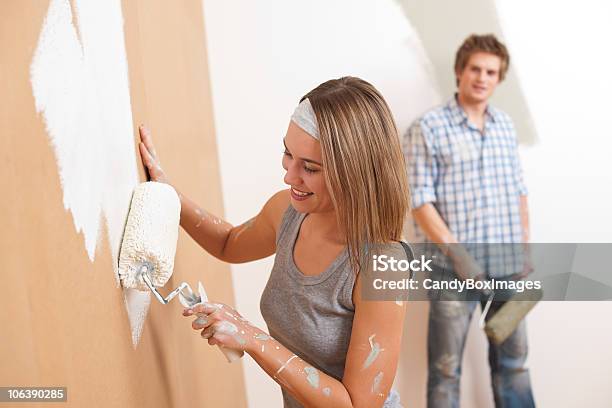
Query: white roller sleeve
[(150, 236)]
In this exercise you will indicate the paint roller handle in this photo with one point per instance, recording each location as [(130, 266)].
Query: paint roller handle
[(230, 354)]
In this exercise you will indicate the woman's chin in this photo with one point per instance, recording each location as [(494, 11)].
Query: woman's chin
[(301, 206)]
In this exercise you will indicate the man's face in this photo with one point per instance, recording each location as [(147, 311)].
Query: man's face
[(479, 78)]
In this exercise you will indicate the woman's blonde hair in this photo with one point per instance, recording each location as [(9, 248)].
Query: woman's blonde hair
[(363, 164)]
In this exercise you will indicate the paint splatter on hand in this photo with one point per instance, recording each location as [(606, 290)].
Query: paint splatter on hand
[(149, 156), (221, 325)]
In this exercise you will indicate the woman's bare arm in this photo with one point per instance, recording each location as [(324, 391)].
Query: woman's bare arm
[(252, 240)]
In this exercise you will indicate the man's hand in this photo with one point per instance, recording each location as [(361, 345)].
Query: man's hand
[(465, 266)]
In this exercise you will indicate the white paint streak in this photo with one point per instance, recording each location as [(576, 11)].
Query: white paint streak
[(262, 336), (81, 88), (137, 304), (226, 327), (312, 376), (374, 352), (280, 370), (376, 383)]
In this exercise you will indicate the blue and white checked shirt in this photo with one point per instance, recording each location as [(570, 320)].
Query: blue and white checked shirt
[(473, 179)]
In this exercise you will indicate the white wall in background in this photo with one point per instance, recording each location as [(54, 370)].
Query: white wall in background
[(79, 78), (557, 92), (264, 55), (565, 73), (442, 26), (565, 67)]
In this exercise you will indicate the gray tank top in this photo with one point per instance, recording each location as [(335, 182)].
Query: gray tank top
[(312, 315)]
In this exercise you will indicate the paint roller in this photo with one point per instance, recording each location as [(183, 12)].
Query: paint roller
[(505, 321), (146, 258)]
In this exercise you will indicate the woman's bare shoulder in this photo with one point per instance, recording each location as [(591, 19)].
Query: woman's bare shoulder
[(275, 208)]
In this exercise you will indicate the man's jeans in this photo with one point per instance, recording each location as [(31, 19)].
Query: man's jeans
[(449, 321)]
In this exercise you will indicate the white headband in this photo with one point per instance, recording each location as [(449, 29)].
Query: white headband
[(304, 117)]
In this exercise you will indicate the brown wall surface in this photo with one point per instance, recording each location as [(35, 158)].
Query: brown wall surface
[(63, 321)]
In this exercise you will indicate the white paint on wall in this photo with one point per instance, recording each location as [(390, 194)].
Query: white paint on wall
[(79, 78), (263, 56), (137, 305)]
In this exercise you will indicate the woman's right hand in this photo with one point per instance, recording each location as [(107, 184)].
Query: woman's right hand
[(149, 156)]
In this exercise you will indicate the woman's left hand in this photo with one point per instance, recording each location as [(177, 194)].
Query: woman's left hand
[(149, 156), (223, 326)]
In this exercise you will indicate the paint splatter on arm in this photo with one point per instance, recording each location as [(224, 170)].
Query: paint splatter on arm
[(374, 348), (256, 238), (307, 384), (208, 230), (252, 240), (221, 325)]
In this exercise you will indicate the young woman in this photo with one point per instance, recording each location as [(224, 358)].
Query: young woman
[(347, 200)]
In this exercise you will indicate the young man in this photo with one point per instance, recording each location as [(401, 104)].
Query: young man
[(467, 187)]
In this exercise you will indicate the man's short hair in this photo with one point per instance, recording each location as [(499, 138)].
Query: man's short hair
[(482, 43)]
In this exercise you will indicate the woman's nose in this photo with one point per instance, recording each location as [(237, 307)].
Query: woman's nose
[(291, 176)]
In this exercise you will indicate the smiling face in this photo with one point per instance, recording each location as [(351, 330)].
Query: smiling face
[(479, 78), (302, 161)]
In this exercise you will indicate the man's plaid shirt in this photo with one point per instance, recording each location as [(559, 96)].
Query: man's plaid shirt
[(473, 179)]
